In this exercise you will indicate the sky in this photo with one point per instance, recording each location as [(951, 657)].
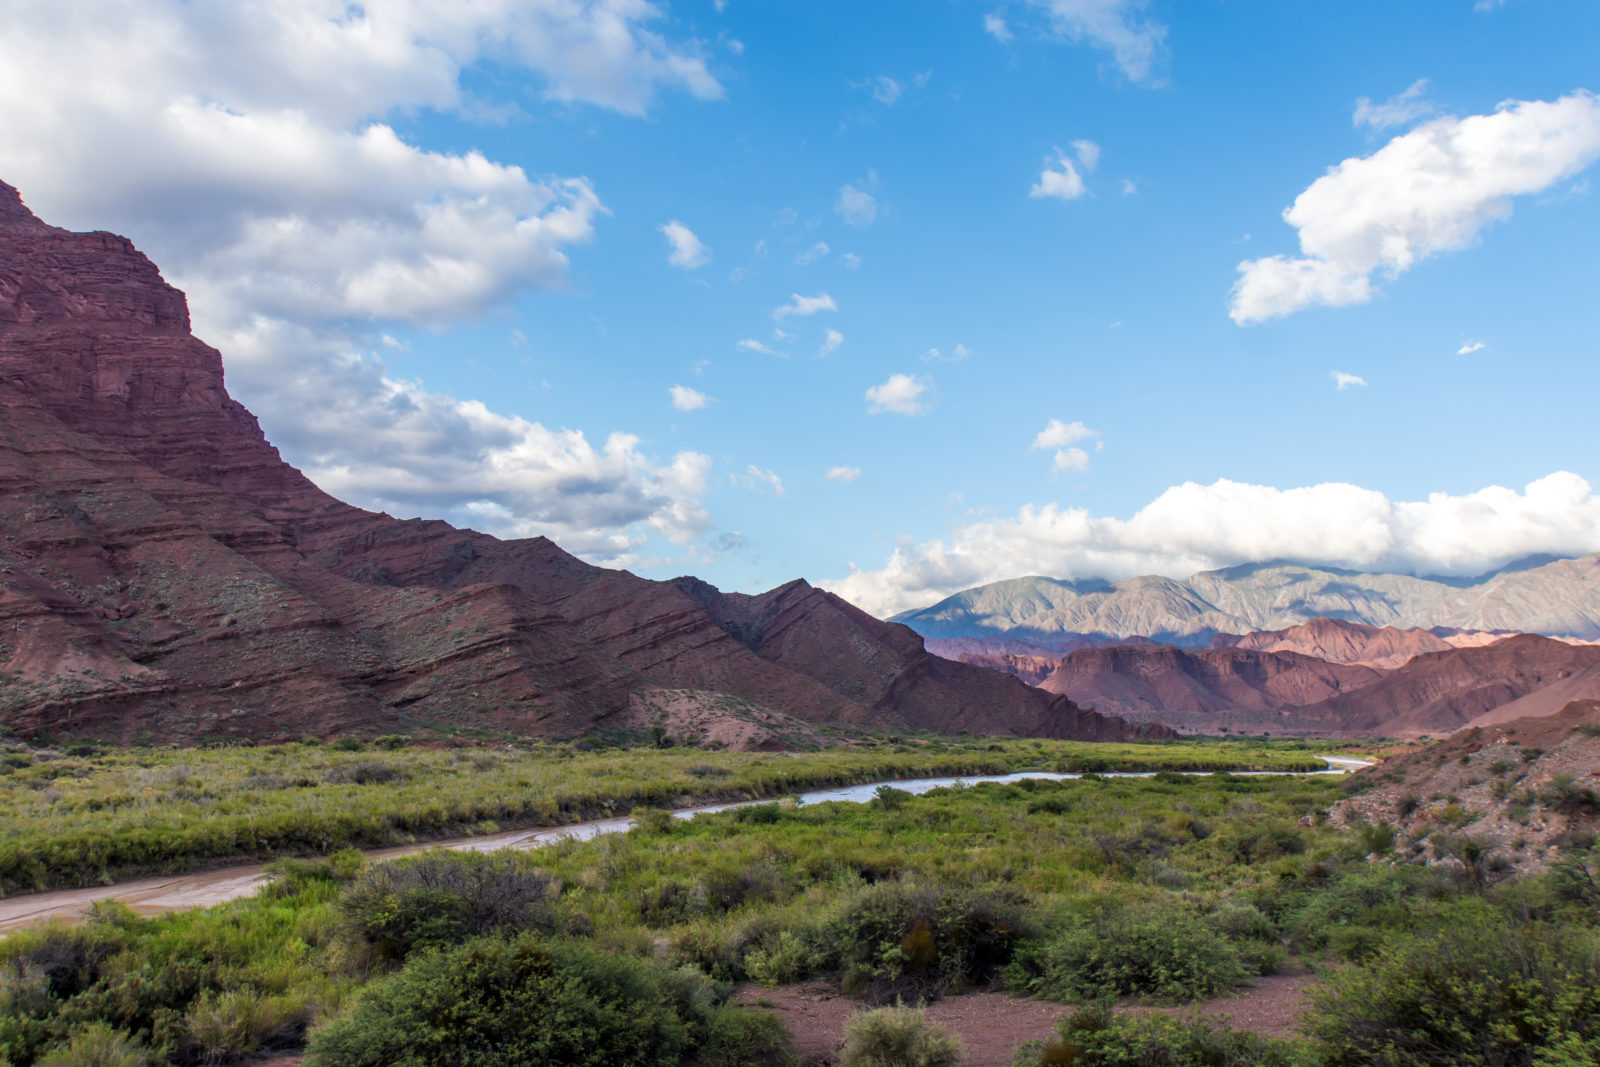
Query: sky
[(898, 297)]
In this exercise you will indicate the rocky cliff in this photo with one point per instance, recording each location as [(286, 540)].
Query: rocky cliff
[(164, 575)]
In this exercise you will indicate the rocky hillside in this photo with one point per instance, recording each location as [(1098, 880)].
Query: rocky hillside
[(164, 575), (1498, 798), (1559, 598)]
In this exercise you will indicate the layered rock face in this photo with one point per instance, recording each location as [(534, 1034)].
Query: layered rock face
[(164, 575)]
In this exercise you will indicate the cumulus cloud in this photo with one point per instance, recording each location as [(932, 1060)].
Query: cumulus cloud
[(305, 227), (1399, 110), (1137, 43), (996, 27), (843, 474), (1193, 527), (812, 254), (686, 399), (855, 204), (758, 480), (1060, 436), (1470, 347), (1088, 154), (902, 394), (1427, 191), (1128, 188), (750, 344), (850, 260), (1343, 381), (831, 340), (1059, 179), (687, 250), (804, 306)]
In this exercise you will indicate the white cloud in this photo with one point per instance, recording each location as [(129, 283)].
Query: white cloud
[(305, 228), (902, 394), (1427, 191), (1117, 26), (831, 340), (1343, 381), (1071, 459), (850, 260), (750, 344), (804, 305), (843, 474), (884, 89), (1488, 5), (996, 27), (758, 480), (812, 254), (1059, 179), (686, 399), (1399, 110), (957, 354), (1193, 527), (1059, 435), (687, 250), (1128, 188), (1088, 154), (855, 204), (1470, 347)]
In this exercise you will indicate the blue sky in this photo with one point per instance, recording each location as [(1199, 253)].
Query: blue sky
[(436, 247)]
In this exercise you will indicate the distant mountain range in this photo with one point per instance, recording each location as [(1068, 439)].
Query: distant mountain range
[(1554, 597)]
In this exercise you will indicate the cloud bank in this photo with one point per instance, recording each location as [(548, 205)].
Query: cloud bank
[(1193, 527), (1428, 191), (305, 228)]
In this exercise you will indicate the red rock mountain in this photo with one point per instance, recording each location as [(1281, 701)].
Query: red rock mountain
[(1338, 641), (1203, 690), (1289, 693), (164, 575)]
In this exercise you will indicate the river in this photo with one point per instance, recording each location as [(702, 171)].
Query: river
[(202, 889)]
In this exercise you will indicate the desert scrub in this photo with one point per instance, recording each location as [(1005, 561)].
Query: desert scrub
[(897, 1036), (533, 1002)]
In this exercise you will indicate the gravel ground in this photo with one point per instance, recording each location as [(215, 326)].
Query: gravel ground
[(992, 1025)]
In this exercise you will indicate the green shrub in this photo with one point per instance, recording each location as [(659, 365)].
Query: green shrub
[(1165, 952), (1096, 1037), (1486, 991), (441, 898), (900, 939), (897, 1037), (98, 1045), (527, 1002), (228, 1026)]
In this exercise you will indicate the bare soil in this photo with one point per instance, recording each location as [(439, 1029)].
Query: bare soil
[(992, 1025)]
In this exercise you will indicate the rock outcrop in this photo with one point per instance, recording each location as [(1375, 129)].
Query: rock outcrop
[(165, 576)]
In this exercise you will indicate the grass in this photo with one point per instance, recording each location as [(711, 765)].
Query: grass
[(88, 816), (1166, 888)]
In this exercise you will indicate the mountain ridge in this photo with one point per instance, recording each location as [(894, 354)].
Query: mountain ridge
[(165, 575)]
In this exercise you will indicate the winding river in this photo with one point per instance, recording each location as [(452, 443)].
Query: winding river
[(202, 889)]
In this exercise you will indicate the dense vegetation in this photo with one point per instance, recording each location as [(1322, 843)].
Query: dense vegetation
[(90, 815), (1168, 889)]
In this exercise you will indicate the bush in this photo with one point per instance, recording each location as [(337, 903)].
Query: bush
[(1486, 991), (1095, 1037), (897, 1037), (527, 1002), (98, 1045), (1167, 952), (229, 1026), (441, 898), (899, 939)]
